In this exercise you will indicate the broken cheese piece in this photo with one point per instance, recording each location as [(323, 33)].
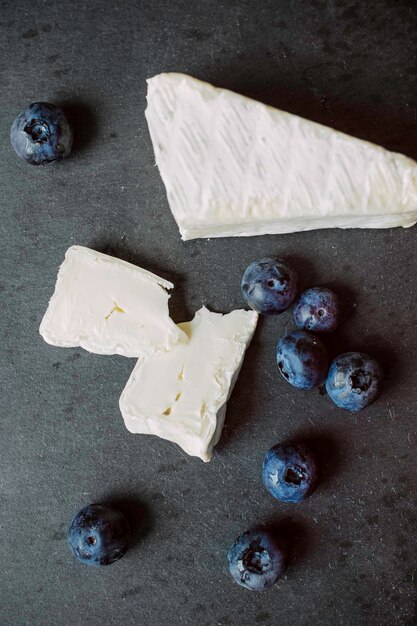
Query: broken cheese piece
[(109, 306), (181, 395)]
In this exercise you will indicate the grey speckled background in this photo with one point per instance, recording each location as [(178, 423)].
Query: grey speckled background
[(351, 65)]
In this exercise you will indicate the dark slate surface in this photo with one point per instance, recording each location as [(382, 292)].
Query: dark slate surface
[(350, 65)]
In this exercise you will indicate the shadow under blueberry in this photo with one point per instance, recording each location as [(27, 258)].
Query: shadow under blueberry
[(83, 121), (293, 535), (326, 448), (137, 513), (178, 308), (387, 357), (306, 271)]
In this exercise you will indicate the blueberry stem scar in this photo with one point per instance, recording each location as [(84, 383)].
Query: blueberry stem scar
[(294, 475), (360, 380), (255, 559)]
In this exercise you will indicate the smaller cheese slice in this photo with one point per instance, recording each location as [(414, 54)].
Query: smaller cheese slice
[(109, 306), (181, 395)]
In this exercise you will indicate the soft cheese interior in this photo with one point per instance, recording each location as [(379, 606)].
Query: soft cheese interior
[(181, 395), (109, 306), (234, 166)]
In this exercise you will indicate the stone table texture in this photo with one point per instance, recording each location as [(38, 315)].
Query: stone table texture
[(63, 444)]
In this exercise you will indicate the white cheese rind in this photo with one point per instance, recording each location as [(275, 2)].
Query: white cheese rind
[(181, 395), (233, 166), (109, 306)]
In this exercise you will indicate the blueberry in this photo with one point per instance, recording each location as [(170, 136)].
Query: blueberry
[(256, 559), (41, 134), (269, 286), (302, 359), (354, 381), (289, 472), (99, 535), (318, 310)]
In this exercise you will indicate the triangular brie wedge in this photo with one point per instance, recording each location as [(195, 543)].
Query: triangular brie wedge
[(233, 166)]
